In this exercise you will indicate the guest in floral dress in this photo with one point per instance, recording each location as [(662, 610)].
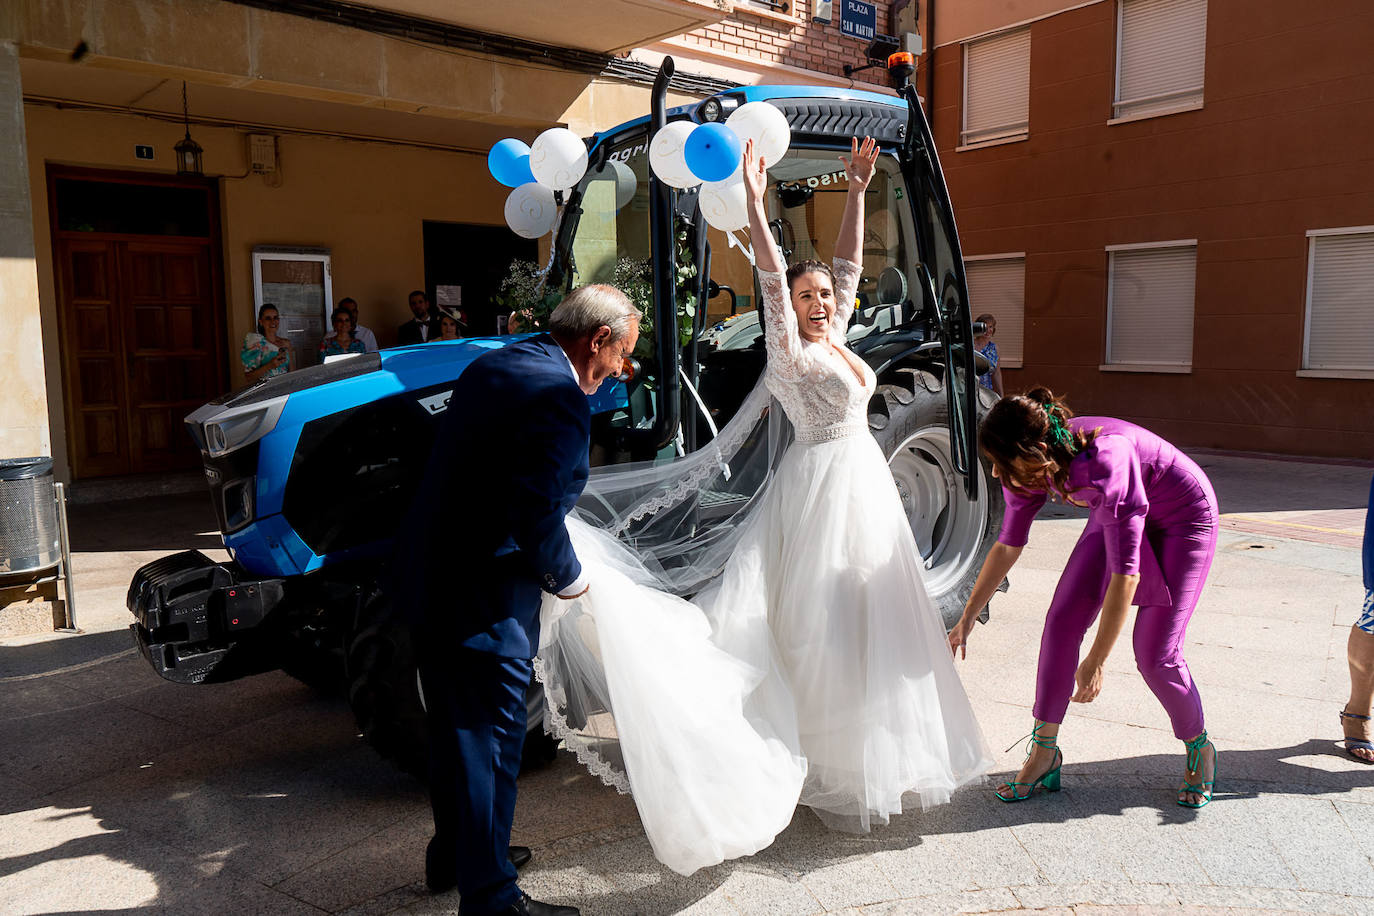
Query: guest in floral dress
[(264, 353)]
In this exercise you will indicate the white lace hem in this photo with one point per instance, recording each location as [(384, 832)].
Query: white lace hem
[(556, 724)]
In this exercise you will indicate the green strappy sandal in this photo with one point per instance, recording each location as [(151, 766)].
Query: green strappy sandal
[(1050, 780), (1205, 787), (1356, 744)]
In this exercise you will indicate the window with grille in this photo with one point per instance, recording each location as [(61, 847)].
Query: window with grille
[(1160, 56), (997, 286), (996, 88), (1339, 334), (1150, 305)]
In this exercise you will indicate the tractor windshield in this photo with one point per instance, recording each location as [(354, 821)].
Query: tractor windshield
[(610, 243)]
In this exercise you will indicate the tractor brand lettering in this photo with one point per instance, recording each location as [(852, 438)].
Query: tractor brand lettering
[(815, 181), (436, 403)]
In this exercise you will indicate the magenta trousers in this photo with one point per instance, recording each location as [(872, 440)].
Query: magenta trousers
[(1183, 535)]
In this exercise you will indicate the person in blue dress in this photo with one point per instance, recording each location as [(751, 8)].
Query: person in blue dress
[(983, 342), (1359, 652)]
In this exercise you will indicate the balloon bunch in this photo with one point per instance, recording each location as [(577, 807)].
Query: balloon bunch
[(685, 155), (556, 162)]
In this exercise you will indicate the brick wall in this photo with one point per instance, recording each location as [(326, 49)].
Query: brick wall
[(790, 37)]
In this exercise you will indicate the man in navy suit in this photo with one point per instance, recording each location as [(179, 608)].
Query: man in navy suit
[(509, 461)]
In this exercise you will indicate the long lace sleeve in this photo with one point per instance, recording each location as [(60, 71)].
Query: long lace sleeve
[(847, 275), (786, 356)]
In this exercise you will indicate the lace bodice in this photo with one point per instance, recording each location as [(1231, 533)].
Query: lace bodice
[(818, 388)]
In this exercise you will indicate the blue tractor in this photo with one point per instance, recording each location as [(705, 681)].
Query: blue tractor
[(306, 589)]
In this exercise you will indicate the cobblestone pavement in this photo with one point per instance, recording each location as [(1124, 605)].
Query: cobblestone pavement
[(120, 792)]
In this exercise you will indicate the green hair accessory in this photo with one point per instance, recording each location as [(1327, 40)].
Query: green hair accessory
[(1059, 432)]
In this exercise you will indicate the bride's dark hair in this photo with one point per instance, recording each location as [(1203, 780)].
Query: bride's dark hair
[(806, 267), (1033, 427)]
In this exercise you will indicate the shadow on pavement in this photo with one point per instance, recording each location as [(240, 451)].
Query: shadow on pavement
[(177, 521), (57, 656)]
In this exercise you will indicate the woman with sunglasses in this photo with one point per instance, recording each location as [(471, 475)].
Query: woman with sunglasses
[(342, 340), (1149, 541)]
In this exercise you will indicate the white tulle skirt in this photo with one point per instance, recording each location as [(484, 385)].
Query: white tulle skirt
[(814, 669)]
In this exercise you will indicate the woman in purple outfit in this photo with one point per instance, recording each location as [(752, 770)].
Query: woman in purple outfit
[(1149, 541)]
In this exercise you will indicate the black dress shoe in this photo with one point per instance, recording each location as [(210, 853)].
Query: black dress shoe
[(520, 856), (528, 907)]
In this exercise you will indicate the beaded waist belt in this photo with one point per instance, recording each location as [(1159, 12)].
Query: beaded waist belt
[(828, 433)]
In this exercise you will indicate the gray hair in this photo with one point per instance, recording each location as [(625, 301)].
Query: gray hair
[(587, 308)]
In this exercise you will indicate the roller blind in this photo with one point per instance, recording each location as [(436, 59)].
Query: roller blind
[(998, 286), (1150, 306), (1160, 52), (996, 87), (1340, 305)]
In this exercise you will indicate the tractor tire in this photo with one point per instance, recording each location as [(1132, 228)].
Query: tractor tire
[(910, 420), (384, 685), (388, 701)]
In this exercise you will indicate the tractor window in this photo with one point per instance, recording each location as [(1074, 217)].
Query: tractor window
[(612, 241), (805, 203)]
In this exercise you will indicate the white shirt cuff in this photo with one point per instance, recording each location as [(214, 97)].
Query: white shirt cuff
[(578, 586)]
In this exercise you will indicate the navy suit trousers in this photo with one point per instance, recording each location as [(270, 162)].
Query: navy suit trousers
[(476, 715)]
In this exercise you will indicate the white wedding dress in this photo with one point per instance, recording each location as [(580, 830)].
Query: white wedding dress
[(810, 665)]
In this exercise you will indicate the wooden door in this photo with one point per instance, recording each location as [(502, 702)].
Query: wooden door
[(170, 357), (142, 351), (96, 377), (140, 312)]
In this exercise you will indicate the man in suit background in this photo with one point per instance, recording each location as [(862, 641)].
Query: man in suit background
[(518, 421), (424, 326)]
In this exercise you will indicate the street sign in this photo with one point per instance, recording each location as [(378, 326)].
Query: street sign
[(859, 19)]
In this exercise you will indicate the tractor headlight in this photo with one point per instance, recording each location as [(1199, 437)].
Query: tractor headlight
[(224, 431), (711, 110)]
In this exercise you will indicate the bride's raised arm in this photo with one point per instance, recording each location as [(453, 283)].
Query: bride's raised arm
[(858, 168), (781, 335)]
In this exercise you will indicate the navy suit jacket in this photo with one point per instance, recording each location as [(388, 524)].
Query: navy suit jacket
[(487, 533)]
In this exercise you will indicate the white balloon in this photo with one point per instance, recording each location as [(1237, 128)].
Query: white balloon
[(558, 158), (766, 126), (725, 204), (530, 210), (624, 177), (666, 155)]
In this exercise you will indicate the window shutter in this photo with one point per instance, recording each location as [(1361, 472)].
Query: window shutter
[(1340, 308), (998, 286), (1150, 308), (1161, 53), (997, 87)]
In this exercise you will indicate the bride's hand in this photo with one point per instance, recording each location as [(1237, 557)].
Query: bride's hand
[(755, 173), (958, 637), (862, 162)]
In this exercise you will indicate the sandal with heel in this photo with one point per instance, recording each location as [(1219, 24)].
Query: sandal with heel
[(1050, 779), (1356, 744), (1205, 787)]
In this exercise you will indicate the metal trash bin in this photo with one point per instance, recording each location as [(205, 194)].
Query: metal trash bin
[(29, 533)]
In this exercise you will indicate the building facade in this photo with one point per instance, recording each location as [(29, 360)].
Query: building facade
[(1169, 205), (343, 154)]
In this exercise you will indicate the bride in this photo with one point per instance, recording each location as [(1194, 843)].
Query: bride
[(809, 666)]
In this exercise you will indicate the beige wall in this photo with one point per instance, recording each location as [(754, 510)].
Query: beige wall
[(956, 20), (23, 414), (364, 201)]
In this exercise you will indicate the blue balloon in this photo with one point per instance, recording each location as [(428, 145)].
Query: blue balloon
[(712, 152), (509, 162)]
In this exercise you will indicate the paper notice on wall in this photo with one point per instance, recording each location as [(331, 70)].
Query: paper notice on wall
[(448, 296)]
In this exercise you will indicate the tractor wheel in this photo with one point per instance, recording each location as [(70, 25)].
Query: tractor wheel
[(388, 701), (384, 685), (954, 534)]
